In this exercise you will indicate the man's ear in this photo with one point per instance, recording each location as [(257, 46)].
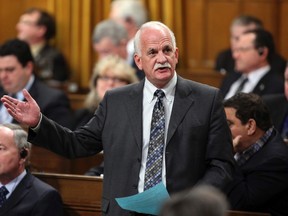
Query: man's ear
[(138, 61), (251, 127)]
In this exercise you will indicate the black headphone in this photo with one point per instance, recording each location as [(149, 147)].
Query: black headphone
[(23, 153), (260, 51)]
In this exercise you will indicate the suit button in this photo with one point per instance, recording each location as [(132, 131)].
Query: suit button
[(139, 160), (135, 186)]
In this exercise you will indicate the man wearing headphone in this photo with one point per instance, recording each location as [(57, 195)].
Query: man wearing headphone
[(253, 53), (20, 192)]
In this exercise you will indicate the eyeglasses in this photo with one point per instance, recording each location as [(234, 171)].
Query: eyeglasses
[(113, 79), (243, 49)]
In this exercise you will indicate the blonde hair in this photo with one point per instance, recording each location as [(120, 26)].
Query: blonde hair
[(120, 68)]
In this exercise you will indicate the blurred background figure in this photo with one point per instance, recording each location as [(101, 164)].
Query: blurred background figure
[(202, 200), (17, 73), (131, 14), (37, 28), (253, 53), (109, 72), (110, 38), (25, 194), (260, 180), (278, 107), (225, 62)]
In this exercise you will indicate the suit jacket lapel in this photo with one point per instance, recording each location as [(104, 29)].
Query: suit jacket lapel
[(134, 108), (182, 103), (18, 194)]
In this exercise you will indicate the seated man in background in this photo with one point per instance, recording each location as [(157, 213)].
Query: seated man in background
[(37, 28), (225, 62), (202, 200), (260, 183), (278, 107), (16, 73), (253, 53), (21, 193), (110, 38)]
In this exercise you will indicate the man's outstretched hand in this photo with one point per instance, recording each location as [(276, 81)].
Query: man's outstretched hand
[(25, 112)]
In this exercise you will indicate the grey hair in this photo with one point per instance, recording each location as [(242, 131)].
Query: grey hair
[(152, 25), (247, 20), (111, 29), (133, 9), (19, 134)]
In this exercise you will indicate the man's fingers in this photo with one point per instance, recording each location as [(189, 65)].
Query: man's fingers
[(27, 96)]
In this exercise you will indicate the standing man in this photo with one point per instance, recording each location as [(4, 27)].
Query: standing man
[(189, 132), (37, 28), (25, 194), (260, 183), (253, 54)]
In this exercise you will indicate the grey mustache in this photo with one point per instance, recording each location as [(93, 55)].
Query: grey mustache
[(157, 65)]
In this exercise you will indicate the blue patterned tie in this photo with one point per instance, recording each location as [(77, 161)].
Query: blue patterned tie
[(153, 172), (3, 193)]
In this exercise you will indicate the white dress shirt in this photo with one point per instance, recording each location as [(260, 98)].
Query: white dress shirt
[(253, 79), (148, 104)]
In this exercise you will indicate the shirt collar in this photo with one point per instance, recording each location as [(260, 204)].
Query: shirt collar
[(256, 75), (13, 184), (169, 89)]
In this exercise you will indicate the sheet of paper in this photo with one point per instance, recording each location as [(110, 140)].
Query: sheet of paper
[(147, 202)]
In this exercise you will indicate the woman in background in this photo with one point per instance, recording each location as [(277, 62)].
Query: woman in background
[(110, 72)]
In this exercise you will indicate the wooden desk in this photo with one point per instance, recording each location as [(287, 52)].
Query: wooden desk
[(243, 213), (81, 195), (43, 160)]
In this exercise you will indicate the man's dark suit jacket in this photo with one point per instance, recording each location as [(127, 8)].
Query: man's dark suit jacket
[(50, 59), (32, 197), (53, 103), (270, 83), (224, 61), (261, 183), (198, 147), (278, 107)]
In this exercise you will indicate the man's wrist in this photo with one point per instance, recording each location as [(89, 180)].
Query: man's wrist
[(36, 128)]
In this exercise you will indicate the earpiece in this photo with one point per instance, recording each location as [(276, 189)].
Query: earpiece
[(23, 153), (260, 51)]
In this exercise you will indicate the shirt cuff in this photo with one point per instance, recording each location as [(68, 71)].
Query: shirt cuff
[(36, 128)]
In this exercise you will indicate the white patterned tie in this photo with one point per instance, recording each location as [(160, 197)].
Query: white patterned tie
[(3, 193), (153, 172)]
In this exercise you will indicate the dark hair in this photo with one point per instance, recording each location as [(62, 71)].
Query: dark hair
[(45, 19), (250, 106), (18, 48), (263, 39)]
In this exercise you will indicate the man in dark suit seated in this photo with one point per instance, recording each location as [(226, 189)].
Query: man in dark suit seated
[(260, 183), (189, 139), (16, 73), (37, 28), (225, 62), (20, 192), (252, 53), (278, 107)]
